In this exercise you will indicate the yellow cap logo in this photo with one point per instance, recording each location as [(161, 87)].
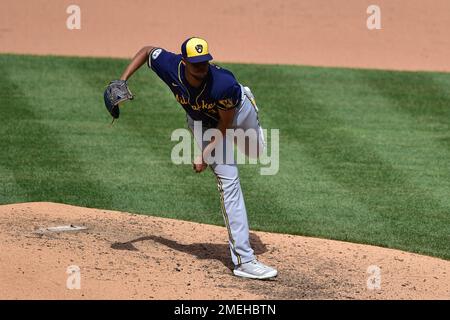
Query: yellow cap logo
[(196, 47)]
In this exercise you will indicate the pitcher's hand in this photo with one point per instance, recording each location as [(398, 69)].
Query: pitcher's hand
[(199, 165)]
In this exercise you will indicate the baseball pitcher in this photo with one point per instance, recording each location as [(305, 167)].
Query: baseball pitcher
[(212, 96)]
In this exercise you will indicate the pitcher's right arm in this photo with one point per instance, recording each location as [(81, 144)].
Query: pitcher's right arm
[(139, 59)]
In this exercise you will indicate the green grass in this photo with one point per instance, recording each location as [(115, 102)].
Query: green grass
[(364, 155)]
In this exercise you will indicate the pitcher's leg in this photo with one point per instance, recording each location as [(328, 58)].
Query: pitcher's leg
[(248, 120), (234, 212), (232, 205)]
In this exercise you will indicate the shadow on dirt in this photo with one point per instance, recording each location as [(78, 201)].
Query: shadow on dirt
[(215, 251)]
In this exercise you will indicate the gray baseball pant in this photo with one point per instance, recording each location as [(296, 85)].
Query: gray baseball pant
[(227, 175)]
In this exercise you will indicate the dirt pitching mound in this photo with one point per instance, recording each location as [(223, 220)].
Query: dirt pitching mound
[(129, 256)]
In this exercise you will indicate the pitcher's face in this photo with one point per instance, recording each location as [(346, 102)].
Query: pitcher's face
[(197, 70)]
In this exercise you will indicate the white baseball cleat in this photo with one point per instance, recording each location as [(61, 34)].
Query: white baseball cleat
[(255, 270)]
